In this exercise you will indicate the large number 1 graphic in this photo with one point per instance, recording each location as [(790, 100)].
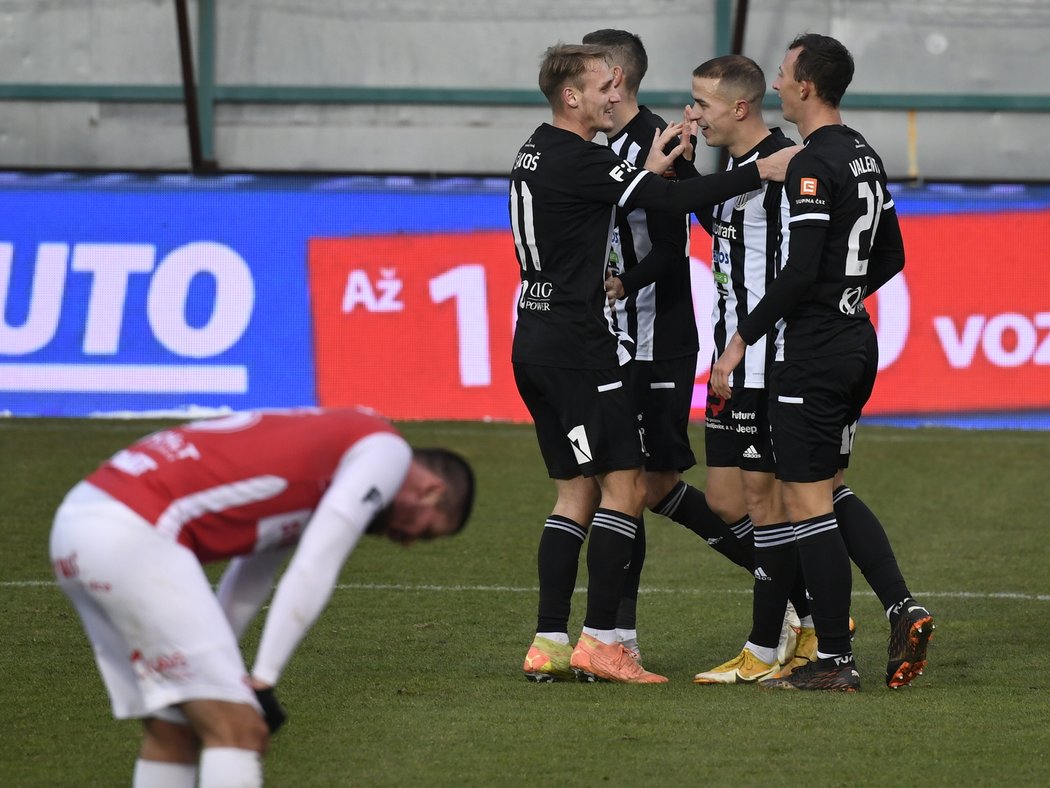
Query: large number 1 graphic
[(857, 264), (466, 284)]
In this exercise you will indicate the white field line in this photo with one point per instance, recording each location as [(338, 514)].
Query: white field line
[(1011, 595)]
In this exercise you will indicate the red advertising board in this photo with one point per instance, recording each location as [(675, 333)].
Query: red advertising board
[(970, 328), (416, 326), (420, 326)]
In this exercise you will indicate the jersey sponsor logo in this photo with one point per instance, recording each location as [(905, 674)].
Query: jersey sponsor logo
[(808, 187), (852, 301), (173, 666), (723, 230), (535, 296), (620, 172), (281, 530), (66, 566), (581, 447)]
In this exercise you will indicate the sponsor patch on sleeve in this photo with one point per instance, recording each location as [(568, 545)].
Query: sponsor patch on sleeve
[(808, 186)]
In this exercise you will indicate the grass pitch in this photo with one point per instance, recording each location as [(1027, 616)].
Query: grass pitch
[(412, 674)]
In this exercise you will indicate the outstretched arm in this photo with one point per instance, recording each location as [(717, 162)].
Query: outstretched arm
[(368, 478)]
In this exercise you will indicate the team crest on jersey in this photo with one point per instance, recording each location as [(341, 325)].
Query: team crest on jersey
[(808, 186), (743, 199)]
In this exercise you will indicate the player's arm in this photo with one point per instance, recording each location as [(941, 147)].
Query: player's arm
[(792, 283), (886, 258), (787, 290), (246, 584), (368, 478), (697, 194), (666, 254)]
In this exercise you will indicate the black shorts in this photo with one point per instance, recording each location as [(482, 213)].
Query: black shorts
[(586, 420), (664, 391), (736, 431), (814, 405)]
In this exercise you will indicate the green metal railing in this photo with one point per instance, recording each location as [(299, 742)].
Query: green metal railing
[(210, 94)]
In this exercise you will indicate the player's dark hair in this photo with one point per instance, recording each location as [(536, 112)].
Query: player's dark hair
[(738, 77), (566, 64), (626, 51), (826, 63), (458, 499)]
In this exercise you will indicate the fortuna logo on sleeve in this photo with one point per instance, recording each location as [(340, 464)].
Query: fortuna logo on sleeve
[(808, 186)]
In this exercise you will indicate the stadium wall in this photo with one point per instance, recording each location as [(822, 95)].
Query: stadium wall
[(370, 85), (134, 293)]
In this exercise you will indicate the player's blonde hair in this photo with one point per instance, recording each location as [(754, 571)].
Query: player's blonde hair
[(565, 64)]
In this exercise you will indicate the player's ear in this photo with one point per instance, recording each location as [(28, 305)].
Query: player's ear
[(568, 95), (617, 76)]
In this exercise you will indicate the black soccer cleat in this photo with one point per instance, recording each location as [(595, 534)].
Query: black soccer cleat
[(911, 628), (832, 674)]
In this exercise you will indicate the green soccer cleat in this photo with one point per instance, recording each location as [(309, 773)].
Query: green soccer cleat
[(548, 661)]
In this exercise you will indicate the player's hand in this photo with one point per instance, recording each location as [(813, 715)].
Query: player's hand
[(689, 133), (613, 288), (725, 365), (273, 711), (774, 166), (657, 161)]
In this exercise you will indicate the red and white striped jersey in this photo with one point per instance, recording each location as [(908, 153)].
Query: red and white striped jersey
[(244, 483)]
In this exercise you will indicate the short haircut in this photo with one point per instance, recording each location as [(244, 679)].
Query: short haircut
[(738, 77), (565, 64), (458, 499), (826, 63), (626, 51)]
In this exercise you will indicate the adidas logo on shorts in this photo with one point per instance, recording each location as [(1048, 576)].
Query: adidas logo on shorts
[(751, 453)]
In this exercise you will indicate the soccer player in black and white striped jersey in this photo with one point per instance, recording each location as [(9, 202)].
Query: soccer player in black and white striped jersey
[(649, 278), (569, 361), (747, 252), (844, 242)]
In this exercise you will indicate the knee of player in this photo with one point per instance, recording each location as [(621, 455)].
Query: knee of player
[(658, 485), (223, 724), (729, 507), (256, 736)]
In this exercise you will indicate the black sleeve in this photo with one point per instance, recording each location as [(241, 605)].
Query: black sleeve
[(696, 194), (665, 232), (886, 258), (686, 170), (791, 284)]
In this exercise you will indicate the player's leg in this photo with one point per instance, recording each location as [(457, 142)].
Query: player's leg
[(564, 530), (160, 636), (911, 624), (168, 756), (663, 390), (747, 446), (602, 425), (808, 405), (719, 515), (233, 739)]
